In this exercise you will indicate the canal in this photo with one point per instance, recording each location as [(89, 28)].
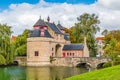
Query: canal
[(39, 73)]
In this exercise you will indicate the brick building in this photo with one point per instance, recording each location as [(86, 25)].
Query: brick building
[(48, 39)]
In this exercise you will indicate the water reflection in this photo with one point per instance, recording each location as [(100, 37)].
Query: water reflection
[(12, 73), (38, 73), (52, 73)]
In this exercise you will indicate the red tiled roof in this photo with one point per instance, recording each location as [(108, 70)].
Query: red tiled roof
[(14, 38), (100, 38)]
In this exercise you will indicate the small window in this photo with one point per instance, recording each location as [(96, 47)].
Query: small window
[(67, 54), (36, 53), (70, 54), (52, 49), (73, 54)]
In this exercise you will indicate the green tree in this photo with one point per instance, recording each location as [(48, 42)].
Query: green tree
[(112, 46), (21, 44), (85, 29), (5, 44), (110, 50)]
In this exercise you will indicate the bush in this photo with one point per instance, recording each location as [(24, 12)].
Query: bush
[(108, 64), (51, 59), (117, 61)]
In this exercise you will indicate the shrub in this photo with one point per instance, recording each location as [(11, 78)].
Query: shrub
[(108, 64)]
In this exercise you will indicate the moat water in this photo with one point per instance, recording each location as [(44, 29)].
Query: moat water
[(38, 73)]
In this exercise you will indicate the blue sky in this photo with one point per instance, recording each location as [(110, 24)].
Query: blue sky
[(73, 1), (5, 3)]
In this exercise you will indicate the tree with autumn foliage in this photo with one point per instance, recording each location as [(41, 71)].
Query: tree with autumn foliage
[(112, 45)]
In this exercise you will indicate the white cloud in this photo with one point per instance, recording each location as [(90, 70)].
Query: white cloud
[(24, 15), (112, 4)]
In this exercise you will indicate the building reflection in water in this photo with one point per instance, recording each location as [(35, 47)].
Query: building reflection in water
[(51, 73)]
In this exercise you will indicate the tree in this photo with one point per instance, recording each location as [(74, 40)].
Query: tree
[(86, 28), (6, 54), (69, 31), (112, 46), (111, 34), (21, 44), (110, 50)]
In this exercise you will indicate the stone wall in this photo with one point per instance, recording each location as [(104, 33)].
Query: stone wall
[(21, 61), (43, 46)]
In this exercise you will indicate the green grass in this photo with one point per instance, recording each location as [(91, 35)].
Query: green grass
[(111, 73)]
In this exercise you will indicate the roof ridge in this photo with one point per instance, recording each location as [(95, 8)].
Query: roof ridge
[(53, 27), (57, 27), (40, 22)]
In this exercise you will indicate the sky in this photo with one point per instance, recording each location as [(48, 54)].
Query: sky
[(22, 14)]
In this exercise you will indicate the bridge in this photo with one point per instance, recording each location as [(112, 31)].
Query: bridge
[(93, 62), (21, 60)]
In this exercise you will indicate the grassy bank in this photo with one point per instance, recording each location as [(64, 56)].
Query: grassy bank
[(111, 73)]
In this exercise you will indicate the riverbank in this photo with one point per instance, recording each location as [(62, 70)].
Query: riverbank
[(111, 73)]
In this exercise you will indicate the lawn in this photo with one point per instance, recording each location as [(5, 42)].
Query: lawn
[(111, 73)]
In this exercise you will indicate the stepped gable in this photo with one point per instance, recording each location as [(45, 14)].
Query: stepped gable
[(37, 33), (54, 27), (66, 37), (73, 47)]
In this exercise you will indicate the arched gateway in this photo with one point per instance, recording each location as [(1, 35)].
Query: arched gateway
[(58, 50)]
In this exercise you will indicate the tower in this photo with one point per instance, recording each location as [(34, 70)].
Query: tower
[(48, 19)]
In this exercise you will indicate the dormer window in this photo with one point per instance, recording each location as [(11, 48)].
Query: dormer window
[(36, 27), (42, 32), (45, 27)]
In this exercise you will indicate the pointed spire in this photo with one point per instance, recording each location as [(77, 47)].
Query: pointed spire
[(40, 16), (58, 22), (48, 19)]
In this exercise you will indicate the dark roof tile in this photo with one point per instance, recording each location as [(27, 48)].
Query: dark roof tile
[(54, 27), (36, 33), (40, 22), (73, 47), (60, 26), (66, 37)]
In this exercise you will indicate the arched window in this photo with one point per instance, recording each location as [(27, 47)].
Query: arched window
[(67, 54), (70, 54), (73, 54)]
